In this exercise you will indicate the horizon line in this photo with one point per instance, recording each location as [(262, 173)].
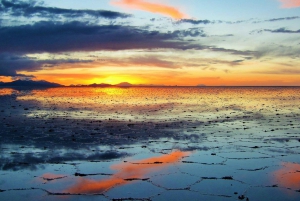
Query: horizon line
[(127, 84)]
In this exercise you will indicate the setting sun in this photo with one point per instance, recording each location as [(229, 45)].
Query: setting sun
[(115, 79)]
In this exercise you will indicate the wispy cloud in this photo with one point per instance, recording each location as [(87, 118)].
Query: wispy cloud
[(277, 51), (290, 3), (282, 30), (282, 18), (149, 61), (196, 22), (151, 7), (283, 70), (255, 21)]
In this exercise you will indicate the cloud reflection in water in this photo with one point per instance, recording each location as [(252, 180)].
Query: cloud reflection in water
[(289, 175), (135, 170)]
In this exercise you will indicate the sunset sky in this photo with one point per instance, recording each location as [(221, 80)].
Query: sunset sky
[(169, 42)]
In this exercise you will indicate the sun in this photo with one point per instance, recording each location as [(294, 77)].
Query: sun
[(114, 80)]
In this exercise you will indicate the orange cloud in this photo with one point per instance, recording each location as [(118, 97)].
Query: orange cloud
[(290, 3), (151, 7), (289, 175), (126, 173)]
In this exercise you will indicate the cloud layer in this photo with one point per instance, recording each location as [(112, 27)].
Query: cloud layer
[(46, 36)]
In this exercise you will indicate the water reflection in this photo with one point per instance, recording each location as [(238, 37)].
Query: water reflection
[(289, 176), (237, 135), (126, 172), (51, 176), (7, 91), (158, 103)]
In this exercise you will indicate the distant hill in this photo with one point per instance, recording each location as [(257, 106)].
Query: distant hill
[(99, 85), (29, 83), (92, 85), (201, 85), (124, 84)]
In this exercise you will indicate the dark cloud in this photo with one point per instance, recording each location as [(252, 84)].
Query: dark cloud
[(278, 19), (189, 32), (232, 51), (33, 9), (237, 61), (195, 21), (211, 62), (282, 30), (78, 36), (56, 37), (11, 63), (283, 18)]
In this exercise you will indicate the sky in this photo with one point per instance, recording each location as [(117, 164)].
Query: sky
[(159, 42)]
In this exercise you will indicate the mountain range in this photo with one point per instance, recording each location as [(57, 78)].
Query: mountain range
[(29, 83), (46, 84)]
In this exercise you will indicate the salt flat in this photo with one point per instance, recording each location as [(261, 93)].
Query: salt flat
[(150, 143)]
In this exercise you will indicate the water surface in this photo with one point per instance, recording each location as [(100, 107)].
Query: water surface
[(150, 143)]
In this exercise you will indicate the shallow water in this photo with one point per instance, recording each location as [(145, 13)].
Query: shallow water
[(168, 143)]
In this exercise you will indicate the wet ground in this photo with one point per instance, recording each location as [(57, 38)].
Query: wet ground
[(180, 143)]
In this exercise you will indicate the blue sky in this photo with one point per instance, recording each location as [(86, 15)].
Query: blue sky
[(170, 42), (199, 9)]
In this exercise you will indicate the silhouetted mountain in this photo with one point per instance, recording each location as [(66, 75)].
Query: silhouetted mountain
[(201, 85), (124, 84), (150, 85), (91, 85), (29, 83), (99, 85)]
